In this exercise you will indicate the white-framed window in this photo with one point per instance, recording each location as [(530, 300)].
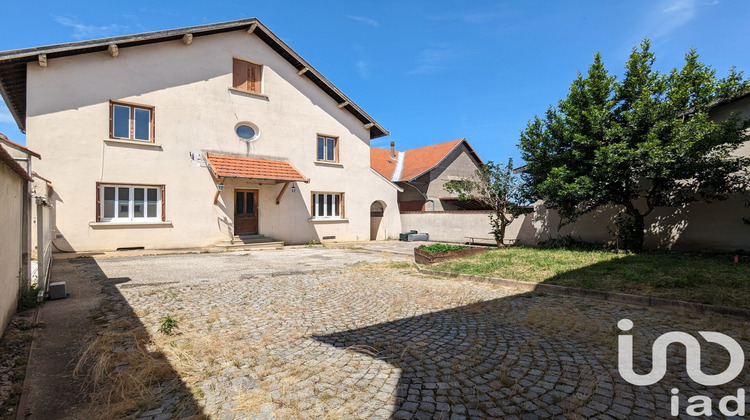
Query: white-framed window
[(130, 203), (327, 205), (131, 122), (328, 149)]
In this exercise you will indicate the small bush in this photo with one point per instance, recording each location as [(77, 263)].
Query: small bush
[(27, 299), (168, 325), (435, 248)]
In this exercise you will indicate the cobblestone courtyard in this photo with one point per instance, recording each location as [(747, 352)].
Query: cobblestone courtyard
[(322, 333)]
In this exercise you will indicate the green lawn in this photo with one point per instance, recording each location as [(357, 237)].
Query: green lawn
[(704, 278)]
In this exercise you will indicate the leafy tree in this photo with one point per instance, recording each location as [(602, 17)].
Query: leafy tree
[(638, 144), (497, 186)]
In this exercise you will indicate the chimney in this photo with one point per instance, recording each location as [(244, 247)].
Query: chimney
[(393, 150)]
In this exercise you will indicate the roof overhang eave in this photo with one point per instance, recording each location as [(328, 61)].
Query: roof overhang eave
[(305, 180), (26, 55), (20, 122)]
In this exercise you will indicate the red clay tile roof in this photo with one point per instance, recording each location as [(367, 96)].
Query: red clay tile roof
[(240, 167), (416, 161), (380, 160)]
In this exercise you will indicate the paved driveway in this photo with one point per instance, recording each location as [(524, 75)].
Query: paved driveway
[(322, 333)]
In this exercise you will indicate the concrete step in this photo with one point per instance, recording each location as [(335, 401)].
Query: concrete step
[(268, 244), (245, 239), (250, 242)]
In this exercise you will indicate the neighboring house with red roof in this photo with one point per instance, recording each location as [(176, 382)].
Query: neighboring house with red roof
[(423, 172), (190, 137)]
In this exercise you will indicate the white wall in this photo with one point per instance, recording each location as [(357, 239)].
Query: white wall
[(455, 226), (11, 208), (68, 120)]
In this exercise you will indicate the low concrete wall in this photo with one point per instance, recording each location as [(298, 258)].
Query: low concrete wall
[(455, 226)]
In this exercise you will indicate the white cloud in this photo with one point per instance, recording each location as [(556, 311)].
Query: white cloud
[(670, 17), (367, 21), (363, 68), (433, 59), (83, 31), (469, 17)]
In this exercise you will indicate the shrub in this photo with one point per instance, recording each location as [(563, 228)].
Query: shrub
[(435, 248)]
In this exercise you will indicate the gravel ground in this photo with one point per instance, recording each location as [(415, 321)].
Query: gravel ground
[(14, 352), (321, 333)]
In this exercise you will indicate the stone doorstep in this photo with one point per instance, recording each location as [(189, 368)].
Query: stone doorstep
[(638, 300)]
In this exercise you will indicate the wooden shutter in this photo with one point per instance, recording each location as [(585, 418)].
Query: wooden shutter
[(111, 126), (312, 205), (98, 203), (343, 214), (240, 72), (163, 206), (253, 77)]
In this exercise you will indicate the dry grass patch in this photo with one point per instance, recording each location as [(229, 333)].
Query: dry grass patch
[(122, 364)]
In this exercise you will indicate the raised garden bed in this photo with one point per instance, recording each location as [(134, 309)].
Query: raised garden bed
[(430, 254)]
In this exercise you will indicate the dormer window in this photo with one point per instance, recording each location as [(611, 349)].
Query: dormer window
[(247, 75)]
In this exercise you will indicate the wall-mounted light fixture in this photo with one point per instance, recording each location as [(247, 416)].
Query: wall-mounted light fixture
[(220, 187), (294, 187)]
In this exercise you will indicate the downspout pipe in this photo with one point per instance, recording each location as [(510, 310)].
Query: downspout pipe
[(432, 202)]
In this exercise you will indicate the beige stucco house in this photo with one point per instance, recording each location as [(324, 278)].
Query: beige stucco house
[(196, 136)]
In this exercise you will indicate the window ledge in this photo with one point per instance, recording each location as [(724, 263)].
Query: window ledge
[(97, 225), (328, 220), (325, 163), (248, 93), (134, 143)]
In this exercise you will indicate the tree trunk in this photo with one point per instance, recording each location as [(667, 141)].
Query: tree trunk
[(497, 221), (638, 232), (501, 237)]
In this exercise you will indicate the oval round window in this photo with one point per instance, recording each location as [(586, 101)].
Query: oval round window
[(246, 131)]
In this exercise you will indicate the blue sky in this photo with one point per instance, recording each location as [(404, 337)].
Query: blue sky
[(428, 71)]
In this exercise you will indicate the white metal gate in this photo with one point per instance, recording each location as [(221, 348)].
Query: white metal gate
[(44, 244)]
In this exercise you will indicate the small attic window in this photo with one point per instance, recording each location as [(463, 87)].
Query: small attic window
[(247, 75)]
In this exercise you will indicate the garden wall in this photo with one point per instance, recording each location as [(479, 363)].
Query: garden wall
[(697, 227), (13, 185), (455, 226)]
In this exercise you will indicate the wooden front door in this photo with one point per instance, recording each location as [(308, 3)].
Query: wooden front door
[(245, 212)]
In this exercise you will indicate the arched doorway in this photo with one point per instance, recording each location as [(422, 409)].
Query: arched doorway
[(377, 209)]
